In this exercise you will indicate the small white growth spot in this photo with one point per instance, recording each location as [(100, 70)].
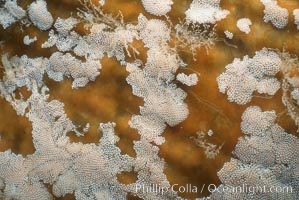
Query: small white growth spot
[(189, 80), (229, 34), (244, 25), (102, 2), (86, 128), (210, 132), (27, 40), (296, 17), (157, 7), (210, 150)]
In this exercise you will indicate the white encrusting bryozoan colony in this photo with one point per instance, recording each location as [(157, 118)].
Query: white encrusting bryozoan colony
[(264, 155), (278, 16), (244, 25)]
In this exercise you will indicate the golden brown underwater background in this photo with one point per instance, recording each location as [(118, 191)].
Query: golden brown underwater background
[(110, 98)]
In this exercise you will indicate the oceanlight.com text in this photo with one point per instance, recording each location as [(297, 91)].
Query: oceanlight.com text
[(189, 188)]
